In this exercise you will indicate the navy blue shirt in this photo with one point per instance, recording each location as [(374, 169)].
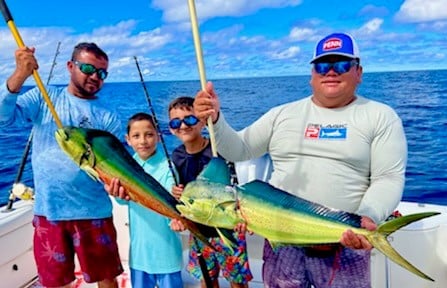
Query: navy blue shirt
[(188, 165)]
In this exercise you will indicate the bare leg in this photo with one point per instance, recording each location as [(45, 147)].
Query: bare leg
[(108, 283), (238, 285), (215, 283)]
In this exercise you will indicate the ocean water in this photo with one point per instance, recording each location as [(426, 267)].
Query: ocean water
[(419, 97)]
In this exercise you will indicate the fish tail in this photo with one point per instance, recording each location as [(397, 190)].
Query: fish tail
[(379, 240)]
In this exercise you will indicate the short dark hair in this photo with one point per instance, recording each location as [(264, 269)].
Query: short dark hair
[(89, 47), (139, 117), (183, 102)]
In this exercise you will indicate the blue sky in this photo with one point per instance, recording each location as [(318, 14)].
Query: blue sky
[(240, 38)]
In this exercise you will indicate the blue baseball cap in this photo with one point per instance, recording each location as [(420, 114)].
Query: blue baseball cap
[(336, 44)]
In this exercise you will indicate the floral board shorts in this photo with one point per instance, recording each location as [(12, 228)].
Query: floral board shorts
[(94, 242), (235, 268)]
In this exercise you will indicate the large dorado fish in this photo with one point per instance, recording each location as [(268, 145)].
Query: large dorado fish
[(102, 156), (280, 217)]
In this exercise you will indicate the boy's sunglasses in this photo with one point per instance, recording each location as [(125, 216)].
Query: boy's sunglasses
[(189, 121), (89, 69), (339, 67)]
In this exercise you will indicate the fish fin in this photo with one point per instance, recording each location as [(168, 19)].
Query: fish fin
[(216, 171), (395, 224), (228, 238), (90, 172), (201, 232), (379, 241)]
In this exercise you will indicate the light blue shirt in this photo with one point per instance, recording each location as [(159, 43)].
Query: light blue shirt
[(62, 190), (154, 247)]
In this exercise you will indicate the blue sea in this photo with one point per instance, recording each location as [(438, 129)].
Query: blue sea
[(419, 97)]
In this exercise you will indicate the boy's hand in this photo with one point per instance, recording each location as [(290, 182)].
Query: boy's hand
[(177, 225), (116, 190), (177, 191)]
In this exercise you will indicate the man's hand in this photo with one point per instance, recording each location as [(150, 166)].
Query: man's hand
[(206, 104), (354, 241), (26, 63)]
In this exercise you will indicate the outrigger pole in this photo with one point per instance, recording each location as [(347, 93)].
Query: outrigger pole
[(157, 126), (201, 67), (15, 33), (28, 143)]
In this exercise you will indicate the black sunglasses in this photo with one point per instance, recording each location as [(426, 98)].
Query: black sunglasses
[(89, 69), (339, 67), (189, 121)]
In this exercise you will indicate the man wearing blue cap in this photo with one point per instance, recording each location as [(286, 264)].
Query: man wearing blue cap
[(335, 148)]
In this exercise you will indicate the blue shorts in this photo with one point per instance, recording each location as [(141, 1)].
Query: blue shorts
[(141, 279), (296, 267)]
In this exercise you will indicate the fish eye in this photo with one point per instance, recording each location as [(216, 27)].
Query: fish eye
[(191, 201)]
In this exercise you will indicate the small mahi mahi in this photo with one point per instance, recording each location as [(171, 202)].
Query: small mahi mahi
[(282, 218), (103, 157)]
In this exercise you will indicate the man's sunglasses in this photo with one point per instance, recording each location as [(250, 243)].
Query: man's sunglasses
[(339, 67), (189, 121), (89, 69)]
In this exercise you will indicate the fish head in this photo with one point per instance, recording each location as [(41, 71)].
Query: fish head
[(209, 203), (74, 142)]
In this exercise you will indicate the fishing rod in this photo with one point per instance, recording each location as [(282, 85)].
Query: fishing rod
[(210, 125), (28, 143), (15, 33), (201, 67), (202, 262), (157, 126)]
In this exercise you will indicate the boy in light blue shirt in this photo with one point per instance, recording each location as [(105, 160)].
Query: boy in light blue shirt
[(155, 250)]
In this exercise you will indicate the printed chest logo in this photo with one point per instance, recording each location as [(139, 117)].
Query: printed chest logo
[(326, 132)]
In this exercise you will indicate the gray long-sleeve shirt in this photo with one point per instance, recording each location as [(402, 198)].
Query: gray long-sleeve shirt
[(351, 158)]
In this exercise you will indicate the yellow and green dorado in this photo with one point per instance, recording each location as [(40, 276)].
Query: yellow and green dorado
[(280, 217), (102, 156)]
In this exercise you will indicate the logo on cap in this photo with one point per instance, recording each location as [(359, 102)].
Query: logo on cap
[(332, 43)]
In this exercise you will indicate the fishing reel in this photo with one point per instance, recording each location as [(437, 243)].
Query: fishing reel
[(22, 191)]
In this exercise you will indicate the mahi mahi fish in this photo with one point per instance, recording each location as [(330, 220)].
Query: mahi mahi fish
[(280, 217), (102, 156)]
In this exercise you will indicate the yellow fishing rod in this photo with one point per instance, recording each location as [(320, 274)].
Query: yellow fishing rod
[(15, 33), (201, 67)]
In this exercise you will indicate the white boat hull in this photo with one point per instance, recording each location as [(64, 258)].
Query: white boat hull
[(17, 266)]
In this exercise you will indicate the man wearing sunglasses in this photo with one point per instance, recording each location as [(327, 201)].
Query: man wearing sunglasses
[(71, 209), (333, 147)]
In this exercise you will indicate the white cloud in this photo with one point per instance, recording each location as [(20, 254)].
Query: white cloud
[(289, 53), (422, 11), (370, 27), (301, 34), (178, 11)]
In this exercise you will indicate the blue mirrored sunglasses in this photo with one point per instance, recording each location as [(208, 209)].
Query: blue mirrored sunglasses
[(189, 121), (339, 67), (89, 69)]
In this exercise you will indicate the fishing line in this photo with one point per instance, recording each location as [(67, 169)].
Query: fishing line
[(28, 143), (157, 126)]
